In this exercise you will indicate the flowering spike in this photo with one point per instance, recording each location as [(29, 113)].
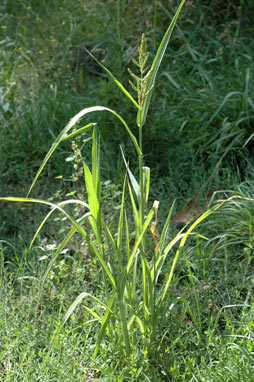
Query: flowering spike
[(142, 81)]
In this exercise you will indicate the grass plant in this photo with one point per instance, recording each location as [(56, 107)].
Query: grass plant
[(120, 279), (185, 317)]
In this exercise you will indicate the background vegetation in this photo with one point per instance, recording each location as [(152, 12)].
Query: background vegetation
[(198, 136)]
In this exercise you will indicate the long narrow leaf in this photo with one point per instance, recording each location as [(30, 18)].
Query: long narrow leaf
[(92, 197), (192, 316), (105, 322), (96, 162), (139, 239), (184, 238), (229, 95), (166, 226), (72, 123), (161, 259), (134, 208), (75, 201), (69, 313), (120, 224), (191, 278), (133, 180), (127, 234), (146, 175), (78, 131), (115, 80), (60, 247), (75, 223), (110, 237), (61, 136), (122, 311)]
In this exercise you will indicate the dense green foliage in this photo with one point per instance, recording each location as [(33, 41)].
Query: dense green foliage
[(198, 135)]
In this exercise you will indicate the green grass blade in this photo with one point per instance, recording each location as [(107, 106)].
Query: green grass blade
[(127, 234), (56, 143), (166, 226), (161, 256), (69, 312), (72, 123), (74, 223), (146, 175), (133, 180), (228, 96), (141, 117), (60, 247), (132, 136), (161, 259), (197, 324), (121, 219), (134, 207), (148, 289), (138, 241), (191, 278), (123, 313), (92, 312), (78, 131), (104, 324), (92, 197), (96, 162), (184, 238), (51, 212), (115, 80), (140, 325), (181, 245), (110, 237), (65, 318)]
